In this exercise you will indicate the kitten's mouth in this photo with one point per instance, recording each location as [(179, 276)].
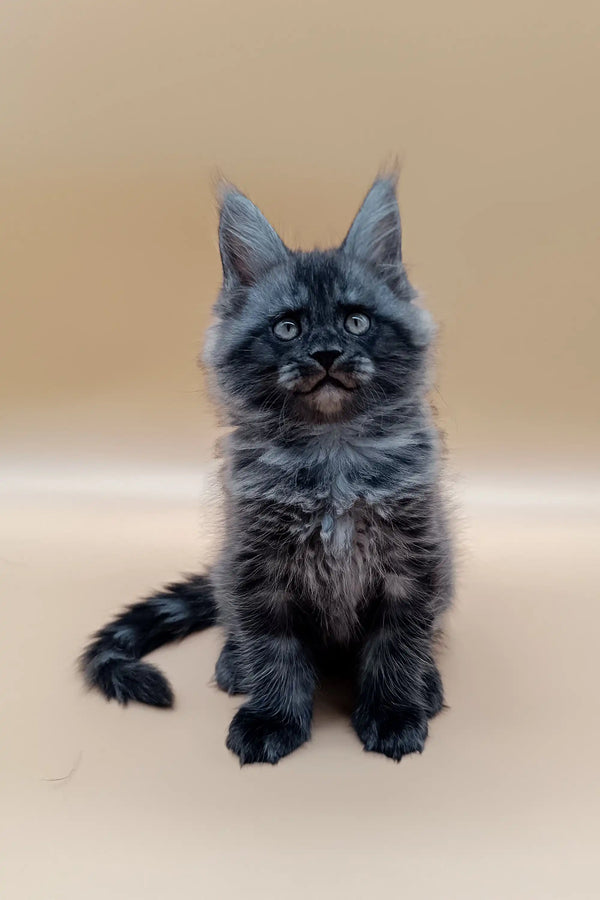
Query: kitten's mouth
[(327, 380)]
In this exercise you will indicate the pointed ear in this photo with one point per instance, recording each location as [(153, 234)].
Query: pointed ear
[(249, 245), (375, 236)]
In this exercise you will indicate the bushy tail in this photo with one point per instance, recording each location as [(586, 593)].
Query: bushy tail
[(112, 660)]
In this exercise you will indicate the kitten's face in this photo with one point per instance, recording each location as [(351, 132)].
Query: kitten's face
[(316, 337)]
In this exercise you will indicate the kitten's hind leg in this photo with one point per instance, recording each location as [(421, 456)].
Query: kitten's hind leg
[(227, 672)]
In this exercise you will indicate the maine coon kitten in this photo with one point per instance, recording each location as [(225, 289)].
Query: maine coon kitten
[(337, 549)]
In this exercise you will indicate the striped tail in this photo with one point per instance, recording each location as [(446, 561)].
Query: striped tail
[(112, 660)]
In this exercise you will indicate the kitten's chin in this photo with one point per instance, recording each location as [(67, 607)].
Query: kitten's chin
[(327, 403)]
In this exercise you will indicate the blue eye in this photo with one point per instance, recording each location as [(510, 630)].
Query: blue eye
[(286, 329), (357, 323)]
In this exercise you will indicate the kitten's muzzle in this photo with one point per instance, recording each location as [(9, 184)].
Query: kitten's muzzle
[(335, 375), (341, 375)]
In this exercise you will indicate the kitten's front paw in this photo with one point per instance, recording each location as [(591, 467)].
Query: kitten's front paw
[(259, 738), (394, 732)]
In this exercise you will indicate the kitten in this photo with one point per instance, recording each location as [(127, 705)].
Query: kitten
[(337, 551)]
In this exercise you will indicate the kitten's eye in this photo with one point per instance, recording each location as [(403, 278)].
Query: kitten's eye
[(286, 329), (357, 323)]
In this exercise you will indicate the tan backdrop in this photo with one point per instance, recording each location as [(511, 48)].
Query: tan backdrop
[(116, 115)]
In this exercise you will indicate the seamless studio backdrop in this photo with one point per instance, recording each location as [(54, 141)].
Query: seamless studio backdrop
[(115, 119)]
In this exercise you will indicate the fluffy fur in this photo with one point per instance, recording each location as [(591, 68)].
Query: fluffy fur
[(336, 552)]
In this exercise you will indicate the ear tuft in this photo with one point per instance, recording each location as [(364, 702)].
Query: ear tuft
[(375, 236), (249, 245)]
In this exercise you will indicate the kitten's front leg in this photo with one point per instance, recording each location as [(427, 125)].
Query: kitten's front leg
[(280, 679), (397, 681)]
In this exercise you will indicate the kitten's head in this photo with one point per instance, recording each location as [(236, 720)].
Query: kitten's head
[(316, 337)]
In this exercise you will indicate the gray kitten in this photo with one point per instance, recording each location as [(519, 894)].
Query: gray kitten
[(337, 554)]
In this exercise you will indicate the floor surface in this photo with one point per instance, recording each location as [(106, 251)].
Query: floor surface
[(100, 801)]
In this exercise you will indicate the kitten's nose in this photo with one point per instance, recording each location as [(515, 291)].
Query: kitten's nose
[(326, 357)]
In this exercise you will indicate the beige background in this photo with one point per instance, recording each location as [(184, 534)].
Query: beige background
[(114, 118)]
